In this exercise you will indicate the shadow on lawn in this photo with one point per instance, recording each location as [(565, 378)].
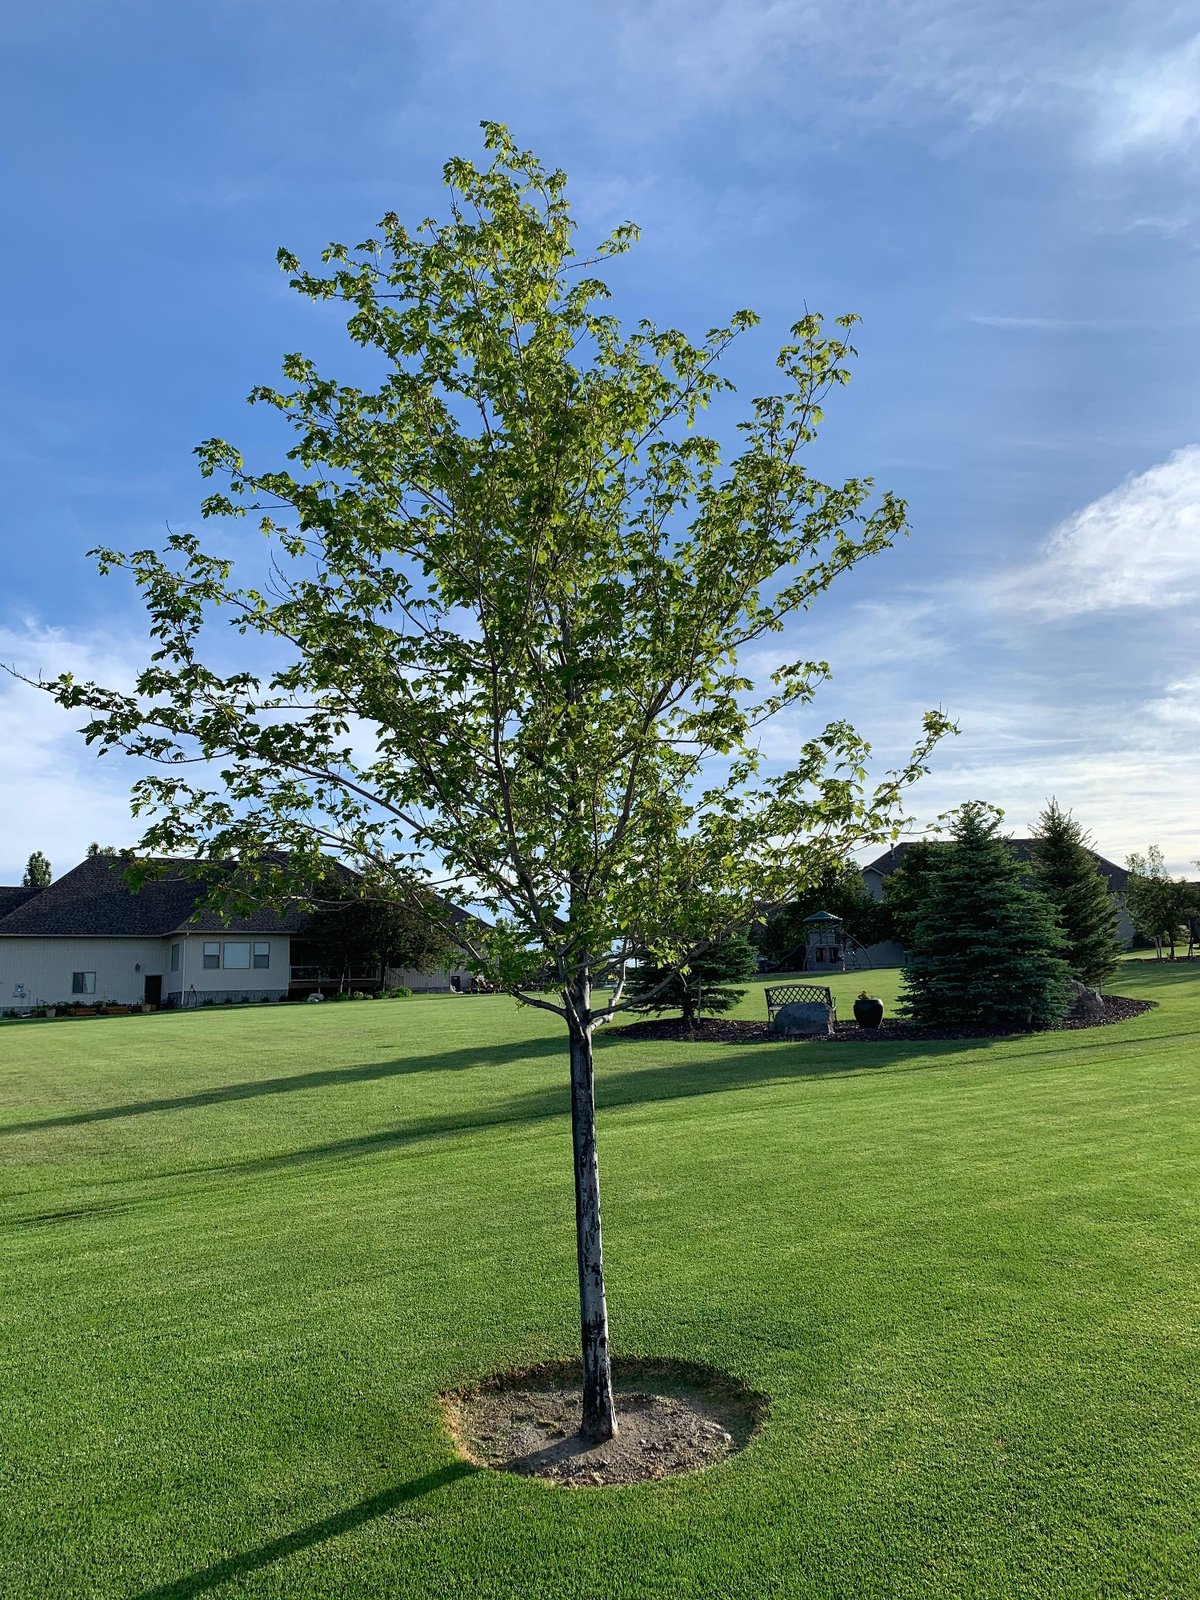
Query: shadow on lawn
[(719, 1073), (376, 1505), (447, 1061)]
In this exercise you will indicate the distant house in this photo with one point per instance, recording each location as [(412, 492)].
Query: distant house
[(88, 936), (876, 873)]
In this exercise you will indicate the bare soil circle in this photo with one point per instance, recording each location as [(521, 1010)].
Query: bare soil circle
[(672, 1418)]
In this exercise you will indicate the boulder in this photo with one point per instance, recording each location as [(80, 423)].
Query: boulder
[(803, 1021), (1084, 1004)]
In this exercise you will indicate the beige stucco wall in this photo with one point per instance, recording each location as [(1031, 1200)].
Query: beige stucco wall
[(44, 968)]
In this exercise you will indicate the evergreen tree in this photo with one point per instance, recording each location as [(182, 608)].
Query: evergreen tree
[(905, 890), (1065, 872), (709, 985), (987, 950), (37, 872)]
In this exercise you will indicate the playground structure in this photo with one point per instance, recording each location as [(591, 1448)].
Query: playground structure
[(829, 948)]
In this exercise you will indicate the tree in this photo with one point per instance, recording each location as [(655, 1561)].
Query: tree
[(37, 872), (905, 889), (1066, 874), (1158, 904), (95, 849), (987, 950), (840, 890), (511, 581), (708, 984), (349, 932)]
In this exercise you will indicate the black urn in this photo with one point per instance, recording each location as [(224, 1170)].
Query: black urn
[(868, 1012)]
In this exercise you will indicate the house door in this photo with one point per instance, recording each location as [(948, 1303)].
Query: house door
[(153, 994)]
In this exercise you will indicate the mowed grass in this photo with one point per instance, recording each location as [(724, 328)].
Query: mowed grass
[(244, 1251)]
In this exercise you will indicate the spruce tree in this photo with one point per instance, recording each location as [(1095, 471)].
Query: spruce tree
[(1065, 872), (987, 950), (710, 984)]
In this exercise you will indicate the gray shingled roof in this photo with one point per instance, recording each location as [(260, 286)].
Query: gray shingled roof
[(94, 900), (1116, 877), (13, 896)]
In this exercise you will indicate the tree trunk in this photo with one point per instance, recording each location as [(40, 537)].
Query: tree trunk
[(599, 1416)]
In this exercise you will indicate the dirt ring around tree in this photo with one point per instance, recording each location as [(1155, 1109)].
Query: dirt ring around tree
[(672, 1418)]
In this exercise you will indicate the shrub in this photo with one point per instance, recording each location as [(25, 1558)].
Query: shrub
[(398, 991), (707, 986)]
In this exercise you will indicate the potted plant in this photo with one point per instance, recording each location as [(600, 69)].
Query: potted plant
[(868, 1010)]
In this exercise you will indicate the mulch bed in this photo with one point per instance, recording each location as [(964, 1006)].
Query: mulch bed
[(527, 1422), (721, 1030)]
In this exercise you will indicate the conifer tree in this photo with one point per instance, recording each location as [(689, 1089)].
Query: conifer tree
[(710, 984), (987, 950), (1065, 872)]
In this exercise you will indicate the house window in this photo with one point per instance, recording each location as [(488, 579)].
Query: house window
[(174, 958), (212, 956), (262, 954), (237, 954), (83, 983)]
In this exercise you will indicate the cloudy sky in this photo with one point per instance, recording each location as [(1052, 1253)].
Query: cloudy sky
[(1006, 193)]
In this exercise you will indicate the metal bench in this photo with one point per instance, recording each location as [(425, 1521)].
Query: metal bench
[(786, 994)]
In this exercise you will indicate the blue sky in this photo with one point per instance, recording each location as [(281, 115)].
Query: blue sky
[(1006, 193)]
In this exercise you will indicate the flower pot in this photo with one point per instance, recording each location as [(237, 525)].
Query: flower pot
[(868, 1012)]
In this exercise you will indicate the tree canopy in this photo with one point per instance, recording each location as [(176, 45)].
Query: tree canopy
[(350, 931), (1158, 904), (38, 874), (510, 582), (838, 889)]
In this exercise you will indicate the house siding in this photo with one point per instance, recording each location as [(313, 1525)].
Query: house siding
[(43, 968), (193, 982)]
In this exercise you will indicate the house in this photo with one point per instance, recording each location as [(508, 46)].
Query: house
[(89, 937), (876, 873)]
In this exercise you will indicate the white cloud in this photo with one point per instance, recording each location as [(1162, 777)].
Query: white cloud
[(1179, 704), (1149, 106), (55, 794), (1137, 546)]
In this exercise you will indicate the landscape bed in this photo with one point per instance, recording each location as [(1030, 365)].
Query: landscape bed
[(742, 1030), (247, 1252)]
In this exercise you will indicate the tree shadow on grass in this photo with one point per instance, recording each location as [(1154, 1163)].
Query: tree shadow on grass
[(710, 1069), (368, 1510), (446, 1061)]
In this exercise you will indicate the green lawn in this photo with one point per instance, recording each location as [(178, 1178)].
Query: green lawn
[(244, 1251)]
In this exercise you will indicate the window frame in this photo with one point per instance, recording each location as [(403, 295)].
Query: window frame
[(210, 955), (236, 944), (80, 985), (260, 955)]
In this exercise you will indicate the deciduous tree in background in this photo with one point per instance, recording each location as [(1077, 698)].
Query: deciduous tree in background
[(839, 890), (350, 932), (512, 579), (37, 872), (1158, 904), (1066, 874)]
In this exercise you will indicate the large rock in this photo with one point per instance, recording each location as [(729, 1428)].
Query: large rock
[(1085, 1005), (801, 1020)]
